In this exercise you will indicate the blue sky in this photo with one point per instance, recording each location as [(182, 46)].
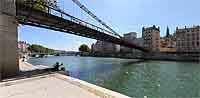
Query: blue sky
[(122, 15)]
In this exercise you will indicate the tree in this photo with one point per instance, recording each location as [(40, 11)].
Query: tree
[(39, 49), (84, 48), (167, 33)]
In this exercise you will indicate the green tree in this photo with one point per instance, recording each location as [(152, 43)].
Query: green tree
[(84, 48), (39, 49)]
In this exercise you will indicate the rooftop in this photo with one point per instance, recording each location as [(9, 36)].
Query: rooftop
[(192, 27), (151, 28)]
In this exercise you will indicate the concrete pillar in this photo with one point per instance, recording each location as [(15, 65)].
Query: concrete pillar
[(8, 39)]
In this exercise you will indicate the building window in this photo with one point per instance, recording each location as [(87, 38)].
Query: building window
[(193, 36), (192, 30), (193, 44), (188, 44), (197, 44)]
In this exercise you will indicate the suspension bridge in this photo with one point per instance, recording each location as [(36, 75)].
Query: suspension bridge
[(26, 12)]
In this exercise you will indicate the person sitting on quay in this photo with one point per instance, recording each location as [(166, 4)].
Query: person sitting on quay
[(23, 59), (57, 66)]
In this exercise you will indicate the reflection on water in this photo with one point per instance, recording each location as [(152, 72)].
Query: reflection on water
[(154, 79)]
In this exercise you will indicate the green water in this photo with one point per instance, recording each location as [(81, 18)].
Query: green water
[(154, 79)]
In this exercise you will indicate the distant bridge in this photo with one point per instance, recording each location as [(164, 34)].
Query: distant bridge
[(56, 54), (27, 14)]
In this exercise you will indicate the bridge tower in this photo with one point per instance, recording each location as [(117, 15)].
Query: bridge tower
[(8, 39)]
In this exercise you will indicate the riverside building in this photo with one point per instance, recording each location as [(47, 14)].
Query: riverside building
[(23, 46), (188, 39), (151, 37), (104, 48), (130, 37)]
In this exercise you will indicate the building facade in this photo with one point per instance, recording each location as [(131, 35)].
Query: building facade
[(188, 39), (151, 37), (105, 48), (23, 46), (130, 37)]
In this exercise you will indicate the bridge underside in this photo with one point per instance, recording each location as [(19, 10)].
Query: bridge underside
[(45, 20)]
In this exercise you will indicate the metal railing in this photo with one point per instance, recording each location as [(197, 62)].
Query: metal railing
[(49, 8)]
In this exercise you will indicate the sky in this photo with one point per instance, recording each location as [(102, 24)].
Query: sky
[(122, 15)]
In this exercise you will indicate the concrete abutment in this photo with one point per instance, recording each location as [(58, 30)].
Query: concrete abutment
[(8, 39)]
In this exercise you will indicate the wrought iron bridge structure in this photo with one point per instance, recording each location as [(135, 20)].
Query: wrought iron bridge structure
[(53, 18)]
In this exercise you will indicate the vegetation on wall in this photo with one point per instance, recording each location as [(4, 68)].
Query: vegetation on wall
[(41, 7), (39, 4)]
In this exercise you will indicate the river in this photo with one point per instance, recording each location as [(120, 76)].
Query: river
[(154, 79)]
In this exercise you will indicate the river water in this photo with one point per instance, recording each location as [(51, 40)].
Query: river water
[(154, 79)]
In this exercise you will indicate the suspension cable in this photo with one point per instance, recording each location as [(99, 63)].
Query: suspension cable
[(95, 17)]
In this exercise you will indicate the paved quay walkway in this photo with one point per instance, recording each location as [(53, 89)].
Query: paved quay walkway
[(51, 85), (43, 87), (25, 66), (54, 85)]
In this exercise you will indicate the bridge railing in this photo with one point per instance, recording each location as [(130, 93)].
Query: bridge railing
[(52, 9)]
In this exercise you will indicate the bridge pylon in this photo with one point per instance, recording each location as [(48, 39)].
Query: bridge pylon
[(8, 39)]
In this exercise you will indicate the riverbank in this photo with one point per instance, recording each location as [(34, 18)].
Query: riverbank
[(148, 78), (161, 56), (25, 66), (65, 86), (54, 85)]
